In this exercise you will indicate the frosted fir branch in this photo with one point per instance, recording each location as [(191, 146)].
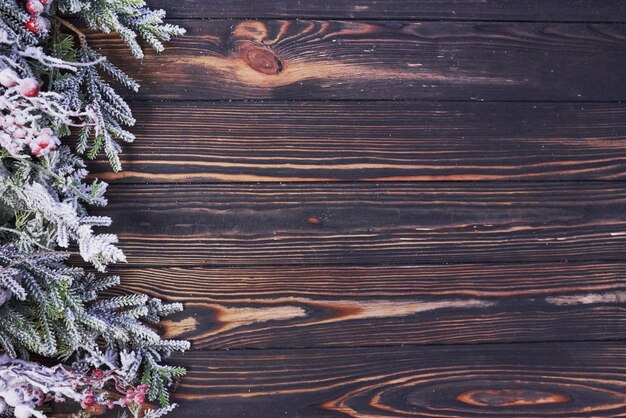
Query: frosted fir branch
[(82, 100), (130, 20), (37, 53), (85, 91), (33, 110), (100, 250), (47, 307), (51, 194), (25, 111), (23, 236), (90, 322), (12, 21)]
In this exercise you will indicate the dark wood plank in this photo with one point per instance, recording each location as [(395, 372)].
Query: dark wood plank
[(507, 380), (312, 141), (368, 223), (332, 306), (530, 10), (296, 59)]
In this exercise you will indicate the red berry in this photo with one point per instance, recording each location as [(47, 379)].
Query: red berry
[(44, 2), (29, 87), (87, 402), (37, 24), (34, 7), (32, 24)]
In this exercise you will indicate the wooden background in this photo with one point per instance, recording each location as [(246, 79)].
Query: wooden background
[(389, 208)]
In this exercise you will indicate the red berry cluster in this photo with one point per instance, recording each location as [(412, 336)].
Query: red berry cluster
[(126, 397), (137, 395), (29, 87), (37, 23)]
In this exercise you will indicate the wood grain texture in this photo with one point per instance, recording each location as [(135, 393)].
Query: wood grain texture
[(361, 235), (529, 380), (298, 59), (530, 10), (347, 141), (295, 307), (368, 223)]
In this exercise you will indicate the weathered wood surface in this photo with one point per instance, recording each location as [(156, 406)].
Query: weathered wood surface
[(438, 220), (300, 59), (506, 380), (532, 10), (339, 141), (356, 223), (295, 307)]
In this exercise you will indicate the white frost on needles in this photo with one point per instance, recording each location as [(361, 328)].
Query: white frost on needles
[(98, 249)]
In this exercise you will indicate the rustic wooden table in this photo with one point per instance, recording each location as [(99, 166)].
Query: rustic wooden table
[(385, 208)]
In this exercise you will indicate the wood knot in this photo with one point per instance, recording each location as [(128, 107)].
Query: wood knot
[(511, 397), (261, 58)]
